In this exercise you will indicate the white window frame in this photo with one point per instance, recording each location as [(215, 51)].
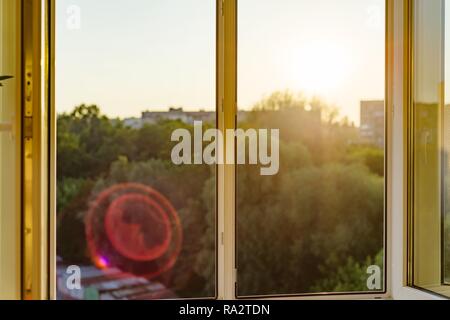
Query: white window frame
[(227, 98), (399, 94), (396, 224)]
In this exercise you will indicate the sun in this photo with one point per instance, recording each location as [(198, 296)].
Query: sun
[(320, 67)]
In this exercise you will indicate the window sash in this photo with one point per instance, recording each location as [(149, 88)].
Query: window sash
[(226, 183)]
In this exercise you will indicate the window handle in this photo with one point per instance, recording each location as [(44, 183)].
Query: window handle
[(2, 78)]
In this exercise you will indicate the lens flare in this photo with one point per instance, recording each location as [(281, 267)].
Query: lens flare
[(101, 262), (134, 228)]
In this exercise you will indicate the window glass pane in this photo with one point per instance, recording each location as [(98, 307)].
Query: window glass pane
[(130, 221), (431, 148), (9, 163), (313, 221), (428, 115)]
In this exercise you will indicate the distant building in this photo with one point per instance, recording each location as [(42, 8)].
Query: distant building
[(372, 128), (152, 117), (174, 114), (135, 123), (109, 284)]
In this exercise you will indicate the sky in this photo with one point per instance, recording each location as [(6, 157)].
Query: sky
[(136, 55)]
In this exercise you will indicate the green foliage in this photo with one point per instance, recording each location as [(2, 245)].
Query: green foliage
[(88, 142), (350, 277), (318, 216), (197, 217), (371, 157), (313, 226), (72, 205), (324, 207), (67, 190)]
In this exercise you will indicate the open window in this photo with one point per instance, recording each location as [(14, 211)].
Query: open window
[(429, 121), (307, 210), (309, 219)]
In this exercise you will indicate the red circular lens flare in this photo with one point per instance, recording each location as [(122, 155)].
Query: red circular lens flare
[(138, 227), (134, 228)]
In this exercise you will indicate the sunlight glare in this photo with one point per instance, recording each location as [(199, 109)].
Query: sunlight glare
[(320, 67)]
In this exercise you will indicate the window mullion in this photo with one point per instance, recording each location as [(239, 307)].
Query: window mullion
[(227, 80)]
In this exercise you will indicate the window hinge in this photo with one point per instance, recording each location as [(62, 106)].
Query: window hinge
[(28, 128), (222, 7), (28, 91), (28, 104), (222, 105), (221, 238)]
